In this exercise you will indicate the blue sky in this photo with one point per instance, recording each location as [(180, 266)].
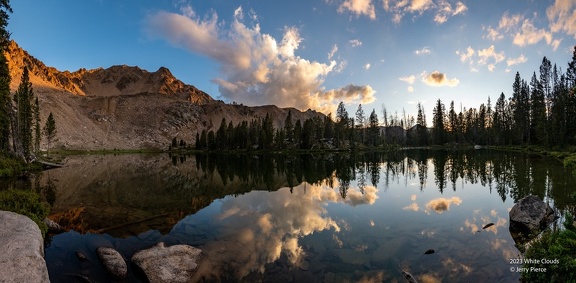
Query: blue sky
[(310, 54)]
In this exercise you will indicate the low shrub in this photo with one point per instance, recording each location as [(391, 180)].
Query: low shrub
[(10, 166), (25, 202), (559, 248)]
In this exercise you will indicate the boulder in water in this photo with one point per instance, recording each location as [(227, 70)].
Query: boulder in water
[(176, 263), (113, 262), (529, 216)]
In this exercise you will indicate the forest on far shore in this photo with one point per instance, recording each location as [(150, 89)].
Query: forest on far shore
[(541, 111)]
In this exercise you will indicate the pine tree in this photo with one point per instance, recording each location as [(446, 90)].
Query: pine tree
[(288, 126), (373, 130), (50, 130), (24, 116), (37, 130), (438, 130), (539, 122), (5, 103), (421, 129), (360, 122)]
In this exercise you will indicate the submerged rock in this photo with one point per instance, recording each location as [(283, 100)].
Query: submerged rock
[(176, 263), (529, 216), (22, 246), (113, 262), (53, 227), (429, 252)]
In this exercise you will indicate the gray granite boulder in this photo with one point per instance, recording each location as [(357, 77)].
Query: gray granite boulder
[(528, 217), (176, 263), (530, 213), (21, 250), (113, 262)]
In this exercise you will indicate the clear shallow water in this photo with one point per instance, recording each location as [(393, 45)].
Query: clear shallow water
[(334, 218)]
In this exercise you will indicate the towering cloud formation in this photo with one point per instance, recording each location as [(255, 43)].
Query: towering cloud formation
[(255, 68)]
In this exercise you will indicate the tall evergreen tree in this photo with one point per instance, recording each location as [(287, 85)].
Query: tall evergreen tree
[(360, 123), (50, 130), (37, 130), (5, 103), (289, 126), (422, 130), (373, 130), (24, 116), (438, 130), (539, 121), (452, 122), (342, 124)]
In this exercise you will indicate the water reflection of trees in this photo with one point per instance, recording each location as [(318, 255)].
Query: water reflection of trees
[(508, 174)]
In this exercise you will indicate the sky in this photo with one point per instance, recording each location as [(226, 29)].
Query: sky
[(311, 54)]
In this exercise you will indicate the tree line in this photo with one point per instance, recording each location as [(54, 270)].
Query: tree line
[(539, 112), (20, 131)]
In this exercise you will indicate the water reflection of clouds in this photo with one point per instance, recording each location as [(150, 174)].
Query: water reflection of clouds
[(439, 205), (478, 221), (257, 227)]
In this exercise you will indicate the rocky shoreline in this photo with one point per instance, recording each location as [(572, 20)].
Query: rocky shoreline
[(22, 257)]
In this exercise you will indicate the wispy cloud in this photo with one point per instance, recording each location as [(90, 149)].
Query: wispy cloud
[(255, 68), (488, 57), (465, 55), (515, 61), (332, 51), (445, 10), (486, 54), (359, 8), (442, 9), (355, 42), (409, 79), (423, 51), (524, 32), (562, 17)]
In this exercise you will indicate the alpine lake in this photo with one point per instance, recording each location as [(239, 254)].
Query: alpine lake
[(326, 217)]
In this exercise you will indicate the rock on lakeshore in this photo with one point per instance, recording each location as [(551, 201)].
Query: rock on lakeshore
[(113, 262), (530, 213), (21, 250), (529, 216), (168, 264)]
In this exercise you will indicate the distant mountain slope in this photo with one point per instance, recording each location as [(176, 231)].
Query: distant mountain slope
[(125, 107)]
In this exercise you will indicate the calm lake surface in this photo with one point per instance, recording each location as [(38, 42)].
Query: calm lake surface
[(304, 218)]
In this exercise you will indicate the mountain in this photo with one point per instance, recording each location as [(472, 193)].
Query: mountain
[(125, 107)]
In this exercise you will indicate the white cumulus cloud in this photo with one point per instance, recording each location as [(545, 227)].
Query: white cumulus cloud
[(255, 68), (438, 79)]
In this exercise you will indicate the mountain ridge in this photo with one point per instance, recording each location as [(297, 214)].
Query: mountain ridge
[(115, 80), (126, 107)]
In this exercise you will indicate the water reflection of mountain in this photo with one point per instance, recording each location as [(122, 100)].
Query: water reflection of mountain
[(105, 191)]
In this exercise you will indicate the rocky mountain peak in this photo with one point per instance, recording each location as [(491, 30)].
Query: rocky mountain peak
[(112, 81)]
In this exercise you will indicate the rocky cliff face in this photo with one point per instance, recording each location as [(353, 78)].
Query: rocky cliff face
[(116, 80), (124, 107)]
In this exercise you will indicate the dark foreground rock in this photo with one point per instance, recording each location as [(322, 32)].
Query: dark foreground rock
[(528, 217), (168, 264), (22, 250), (113, 262)]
